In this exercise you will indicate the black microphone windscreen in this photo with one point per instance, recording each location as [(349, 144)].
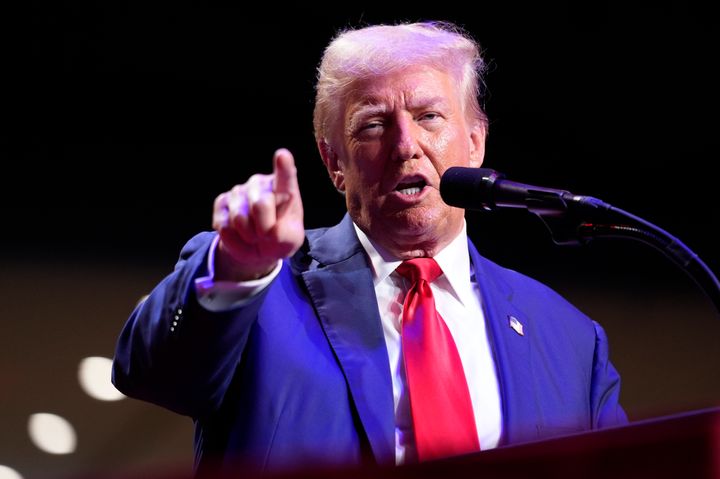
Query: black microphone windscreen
[(468, 188)]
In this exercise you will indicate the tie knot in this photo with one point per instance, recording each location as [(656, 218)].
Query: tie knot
[(419, 268)]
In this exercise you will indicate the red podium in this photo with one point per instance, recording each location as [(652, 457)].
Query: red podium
[(680, 446)]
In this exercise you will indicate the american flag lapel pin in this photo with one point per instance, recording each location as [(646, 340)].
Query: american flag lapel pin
[(516, 325)]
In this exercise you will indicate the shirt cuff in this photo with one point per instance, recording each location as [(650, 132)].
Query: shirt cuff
[(218, 296)]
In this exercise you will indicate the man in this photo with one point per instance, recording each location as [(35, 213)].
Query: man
[(289, 348)]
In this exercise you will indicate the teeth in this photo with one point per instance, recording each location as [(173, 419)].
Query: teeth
[(410, 191)]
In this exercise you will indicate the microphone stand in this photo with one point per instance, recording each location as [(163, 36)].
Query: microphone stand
[(572, 227)]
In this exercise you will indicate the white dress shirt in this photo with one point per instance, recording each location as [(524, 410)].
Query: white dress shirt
[(457, 299)]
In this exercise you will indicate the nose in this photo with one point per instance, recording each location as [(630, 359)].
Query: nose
[(406, 139)]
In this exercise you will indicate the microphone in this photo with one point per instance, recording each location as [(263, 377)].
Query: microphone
[(487, 189)]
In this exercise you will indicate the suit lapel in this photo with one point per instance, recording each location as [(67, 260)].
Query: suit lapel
[(512, 352), (341, 289), (342, 292)]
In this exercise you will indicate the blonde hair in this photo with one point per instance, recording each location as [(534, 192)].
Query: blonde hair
[(355, 55)]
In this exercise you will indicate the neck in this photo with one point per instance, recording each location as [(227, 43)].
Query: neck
[(402, 248)]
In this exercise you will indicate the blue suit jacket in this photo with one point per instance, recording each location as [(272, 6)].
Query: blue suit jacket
[(300, 375)]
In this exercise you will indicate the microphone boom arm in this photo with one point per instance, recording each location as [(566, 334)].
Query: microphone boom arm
[(571, 229)]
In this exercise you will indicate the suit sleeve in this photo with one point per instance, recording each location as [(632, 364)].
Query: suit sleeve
[(173, 352), (605, 386)]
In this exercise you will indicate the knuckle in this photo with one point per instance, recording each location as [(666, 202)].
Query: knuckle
[(220, 200), (258, 179)]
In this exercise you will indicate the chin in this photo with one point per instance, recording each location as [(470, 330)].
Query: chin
[(418, 221)]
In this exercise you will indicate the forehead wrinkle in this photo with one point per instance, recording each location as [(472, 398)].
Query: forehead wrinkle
[(421, 101), (370, 107), (374, 106)]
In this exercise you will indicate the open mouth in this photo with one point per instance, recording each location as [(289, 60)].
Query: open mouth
[(411, 188)]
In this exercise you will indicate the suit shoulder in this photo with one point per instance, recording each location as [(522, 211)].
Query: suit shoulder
[(303, 257), (527, 290), (312, 234), (200, 241)]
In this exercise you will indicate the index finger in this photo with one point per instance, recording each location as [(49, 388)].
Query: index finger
[(285, 172)]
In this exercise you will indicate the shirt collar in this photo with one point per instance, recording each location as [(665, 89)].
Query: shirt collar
[(454, 260)]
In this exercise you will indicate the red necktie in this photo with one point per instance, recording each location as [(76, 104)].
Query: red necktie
[(442, 412)]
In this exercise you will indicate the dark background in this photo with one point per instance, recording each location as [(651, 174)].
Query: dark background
[(137, 118), (123, 124)]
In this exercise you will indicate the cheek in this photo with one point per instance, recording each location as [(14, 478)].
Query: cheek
[(366, 166), (443, 142), (446, 145), (455, 146)]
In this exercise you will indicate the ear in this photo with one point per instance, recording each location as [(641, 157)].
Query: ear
[(332, 163), (478, 133)]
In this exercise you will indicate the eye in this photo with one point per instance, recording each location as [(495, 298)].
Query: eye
[(371, 126), (429, 116), (370, 129)]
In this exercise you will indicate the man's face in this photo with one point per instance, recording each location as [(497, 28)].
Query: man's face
[(401, 131)]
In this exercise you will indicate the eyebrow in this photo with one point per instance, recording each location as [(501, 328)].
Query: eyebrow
[(373, 107)]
